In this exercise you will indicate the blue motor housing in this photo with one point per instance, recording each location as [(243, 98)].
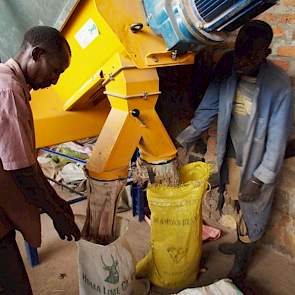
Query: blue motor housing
[(188, 25)]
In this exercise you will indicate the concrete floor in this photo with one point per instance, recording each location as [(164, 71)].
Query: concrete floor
[(270, 274)]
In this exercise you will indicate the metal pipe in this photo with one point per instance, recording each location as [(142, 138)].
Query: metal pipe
[(111, 76), (64, 156), (65, 186), (139, 95)]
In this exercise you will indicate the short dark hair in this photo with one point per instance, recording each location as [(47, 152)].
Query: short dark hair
[(47, 38), (253, 30)]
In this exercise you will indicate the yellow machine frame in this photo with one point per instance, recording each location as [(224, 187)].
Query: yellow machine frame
[(108, 61)]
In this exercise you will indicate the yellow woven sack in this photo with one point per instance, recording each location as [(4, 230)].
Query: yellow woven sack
[(176, 223)]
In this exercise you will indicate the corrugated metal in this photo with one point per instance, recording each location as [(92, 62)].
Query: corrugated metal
[(227, 15), (210, 9), (17, 16)]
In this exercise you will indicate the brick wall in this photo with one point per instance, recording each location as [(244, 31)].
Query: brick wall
[(282, 18)]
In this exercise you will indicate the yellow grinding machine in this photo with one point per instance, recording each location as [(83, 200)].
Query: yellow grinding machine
[(111, 87)]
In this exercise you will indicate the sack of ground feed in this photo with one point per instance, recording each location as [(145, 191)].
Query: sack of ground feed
[(109, 269), (222, 287), (100, 225), (176, 229)]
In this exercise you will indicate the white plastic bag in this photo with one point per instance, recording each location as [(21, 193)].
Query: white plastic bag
[(222, 287)]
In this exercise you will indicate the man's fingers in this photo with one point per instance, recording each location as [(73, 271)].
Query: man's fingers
[(67, 228), (69, 238), (77, 236), (61, 235), (75, 231)]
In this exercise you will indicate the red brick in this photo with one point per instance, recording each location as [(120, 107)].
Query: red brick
[(285, 18), (288, 18), (212, 132), (212, 141), (282, 64), (288, 51), (268, 17), (288, 2), (278, 32)]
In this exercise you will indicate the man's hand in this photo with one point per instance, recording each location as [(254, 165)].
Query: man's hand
[(66, 227), (67, 208), (63, 205), (187, 137), (251, 190)]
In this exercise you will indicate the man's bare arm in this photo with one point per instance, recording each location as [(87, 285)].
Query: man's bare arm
[(30, 181)]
